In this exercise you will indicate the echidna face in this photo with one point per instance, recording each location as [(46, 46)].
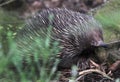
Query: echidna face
[(97, 37)]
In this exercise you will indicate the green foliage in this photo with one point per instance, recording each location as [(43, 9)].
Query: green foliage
[(109, 16), (110, 19), (117, 80), (8, 22), (37, 66)]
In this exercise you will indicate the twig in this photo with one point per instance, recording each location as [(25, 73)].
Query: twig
[(95, 64), (85, 72), (7, 2), (115, 65), (115, 42)]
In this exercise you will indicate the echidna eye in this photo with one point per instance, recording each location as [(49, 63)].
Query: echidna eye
[(75, 3)]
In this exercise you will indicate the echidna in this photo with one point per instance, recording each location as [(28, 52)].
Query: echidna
[(75, 32)]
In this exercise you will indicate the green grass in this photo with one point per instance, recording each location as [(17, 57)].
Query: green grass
[(37, 66), (109, 17), (34, 63)]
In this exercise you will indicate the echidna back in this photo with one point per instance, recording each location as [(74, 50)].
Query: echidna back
[(75, 32)]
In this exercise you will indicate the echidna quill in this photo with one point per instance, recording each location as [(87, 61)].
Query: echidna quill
[(75, 32)]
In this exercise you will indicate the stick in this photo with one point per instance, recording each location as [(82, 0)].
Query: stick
[(85, 72), (7, 2)]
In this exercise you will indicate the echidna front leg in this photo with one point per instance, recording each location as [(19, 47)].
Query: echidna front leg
[(83, 64), (67, 62)]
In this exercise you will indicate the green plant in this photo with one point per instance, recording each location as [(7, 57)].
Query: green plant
[(109, 17), (38, 65)]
